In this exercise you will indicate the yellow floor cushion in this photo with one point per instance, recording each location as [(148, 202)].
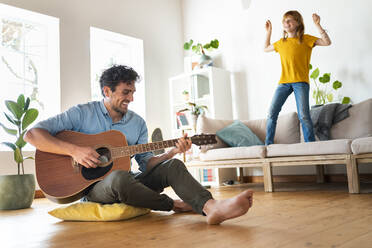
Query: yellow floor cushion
[(90, 211)]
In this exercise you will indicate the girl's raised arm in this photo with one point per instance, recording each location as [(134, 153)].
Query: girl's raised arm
[(268, 47), (325, 40)]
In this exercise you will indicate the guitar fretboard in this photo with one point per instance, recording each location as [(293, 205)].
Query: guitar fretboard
[(135, 149)]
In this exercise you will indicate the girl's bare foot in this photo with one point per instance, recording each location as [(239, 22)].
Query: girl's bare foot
[(218, 211)]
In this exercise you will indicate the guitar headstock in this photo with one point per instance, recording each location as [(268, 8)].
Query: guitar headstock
[(203, 139)]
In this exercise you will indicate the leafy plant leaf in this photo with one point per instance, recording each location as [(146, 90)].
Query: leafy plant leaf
[(188, 45), (21, 101), (11, 145), (215, 43), (16, 110), (315, 74), (11, 119), (27, 104), (30, 116), (346, 100), (18, 156), (337, 85), (310, 67), (9, 130), (195, 48), (326, 78), (24, 158)]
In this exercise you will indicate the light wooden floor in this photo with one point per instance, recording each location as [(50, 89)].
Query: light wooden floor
[(299, 215)]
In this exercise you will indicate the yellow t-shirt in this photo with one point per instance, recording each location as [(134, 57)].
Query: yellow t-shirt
[(295, 58)]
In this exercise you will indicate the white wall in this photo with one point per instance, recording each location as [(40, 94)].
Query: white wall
[(241, 33), (165, 24), (157, 22)]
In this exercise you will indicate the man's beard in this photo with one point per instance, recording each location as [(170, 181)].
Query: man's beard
[(118, 110)]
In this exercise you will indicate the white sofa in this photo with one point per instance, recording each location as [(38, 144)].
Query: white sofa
[(350, 145)]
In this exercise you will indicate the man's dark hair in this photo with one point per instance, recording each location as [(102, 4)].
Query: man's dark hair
[(116, 74)]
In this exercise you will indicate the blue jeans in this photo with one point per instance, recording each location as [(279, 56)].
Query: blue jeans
[(301, 92)]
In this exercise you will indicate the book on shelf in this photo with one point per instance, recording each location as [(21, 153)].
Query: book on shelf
[(208, 175)]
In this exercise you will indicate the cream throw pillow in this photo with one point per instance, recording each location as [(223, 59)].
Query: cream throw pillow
[(90, 211)]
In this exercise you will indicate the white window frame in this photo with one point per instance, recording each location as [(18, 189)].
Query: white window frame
[(49, 81), (99, 38)]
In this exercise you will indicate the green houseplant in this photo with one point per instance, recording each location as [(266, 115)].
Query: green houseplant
[(195, 111), (17, 191), (199, 49), (323, 93)]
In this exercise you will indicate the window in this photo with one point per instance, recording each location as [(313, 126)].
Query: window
[(29, 61), (109, 48)]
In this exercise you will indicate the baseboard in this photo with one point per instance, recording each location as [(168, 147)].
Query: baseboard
[(304, 178)]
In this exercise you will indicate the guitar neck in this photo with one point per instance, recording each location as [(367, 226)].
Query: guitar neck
[(141, 148)]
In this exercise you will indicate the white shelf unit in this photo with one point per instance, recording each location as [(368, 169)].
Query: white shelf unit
[(209, 86), (213, 177)]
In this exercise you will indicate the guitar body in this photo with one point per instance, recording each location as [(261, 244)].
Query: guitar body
[(64, 181)]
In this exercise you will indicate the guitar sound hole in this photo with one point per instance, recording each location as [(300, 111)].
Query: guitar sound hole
[(105, 154), (93, 173)]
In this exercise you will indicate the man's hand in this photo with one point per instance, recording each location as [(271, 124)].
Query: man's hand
[(268, 26), (316, 19), (183, 144), (86, 156)]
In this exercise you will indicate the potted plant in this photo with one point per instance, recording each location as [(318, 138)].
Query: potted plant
[(17, 191), (195, 111), (322, 93), (199, 50), (186, 95)]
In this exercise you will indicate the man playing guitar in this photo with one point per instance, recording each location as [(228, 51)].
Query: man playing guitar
[(158, 172)]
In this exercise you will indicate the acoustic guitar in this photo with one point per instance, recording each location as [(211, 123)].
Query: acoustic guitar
[(63, 180)]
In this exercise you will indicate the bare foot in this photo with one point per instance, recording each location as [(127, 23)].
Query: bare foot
[(181, 206), (218, 211)]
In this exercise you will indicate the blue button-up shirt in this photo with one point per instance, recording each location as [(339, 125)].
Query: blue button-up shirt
[(93, 118)]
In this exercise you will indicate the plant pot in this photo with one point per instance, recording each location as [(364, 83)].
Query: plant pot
[(186, 97), (205, 60), (194, 119), (16, 191)]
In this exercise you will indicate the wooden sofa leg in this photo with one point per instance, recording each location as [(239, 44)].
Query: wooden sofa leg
[(352, 175), (268, 177), (320, 174), (241, 175)]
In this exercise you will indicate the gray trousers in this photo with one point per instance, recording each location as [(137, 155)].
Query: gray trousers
[(144, 190)]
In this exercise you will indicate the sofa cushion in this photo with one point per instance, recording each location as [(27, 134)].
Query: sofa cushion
[(287, 130), (208, 125), (357, 125), (341, 146), (233, 153), (362, 145), (238, 134)]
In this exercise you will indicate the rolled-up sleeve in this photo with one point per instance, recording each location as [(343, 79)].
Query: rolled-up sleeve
[(143, 158), (276, 46), (68, 120)]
